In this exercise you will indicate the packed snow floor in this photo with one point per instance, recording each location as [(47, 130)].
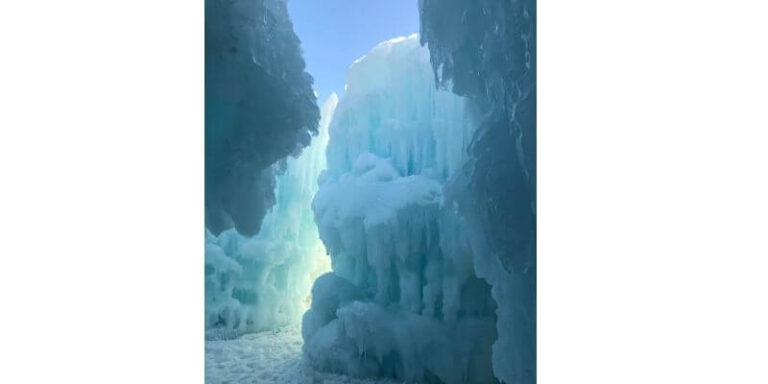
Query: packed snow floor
[(267, 357)]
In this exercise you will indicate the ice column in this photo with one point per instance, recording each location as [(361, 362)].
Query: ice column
[(404, 300)]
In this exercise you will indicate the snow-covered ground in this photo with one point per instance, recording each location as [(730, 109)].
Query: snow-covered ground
[(267, 357)]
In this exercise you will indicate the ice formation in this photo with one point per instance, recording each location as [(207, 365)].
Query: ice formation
[(486, 50), (259, 108), (426, 207), (404, 299), (263, 282)]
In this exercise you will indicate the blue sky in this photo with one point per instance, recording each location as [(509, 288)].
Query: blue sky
[(334, 33)]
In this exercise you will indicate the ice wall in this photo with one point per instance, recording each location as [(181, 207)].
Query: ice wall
[(259, 108), (404, 299), (486, 50), (263, 282)]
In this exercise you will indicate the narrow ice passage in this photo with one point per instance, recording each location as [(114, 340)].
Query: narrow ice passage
[(407, 225), (263, 282), (252, 323)]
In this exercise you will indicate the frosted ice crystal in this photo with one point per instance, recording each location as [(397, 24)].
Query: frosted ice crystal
[(392, 109)]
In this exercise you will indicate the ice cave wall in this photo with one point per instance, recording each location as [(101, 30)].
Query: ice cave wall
[(486, 50), (263, 282), (404, 299), (259, 108)]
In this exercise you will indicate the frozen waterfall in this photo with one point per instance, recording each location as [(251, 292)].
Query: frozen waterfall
[(263, 282)]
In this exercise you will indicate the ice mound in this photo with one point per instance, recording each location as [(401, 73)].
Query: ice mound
[(486, 50), (263, 282), (403, 300), (367, 339), (259, 109)]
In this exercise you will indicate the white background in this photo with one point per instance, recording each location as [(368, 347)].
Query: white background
[(653, 181)]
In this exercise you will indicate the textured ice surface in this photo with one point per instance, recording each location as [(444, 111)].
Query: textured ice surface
[(259, 109), (486, 50), (272, 357), (263, 282), (391, 109), (404, 300)]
